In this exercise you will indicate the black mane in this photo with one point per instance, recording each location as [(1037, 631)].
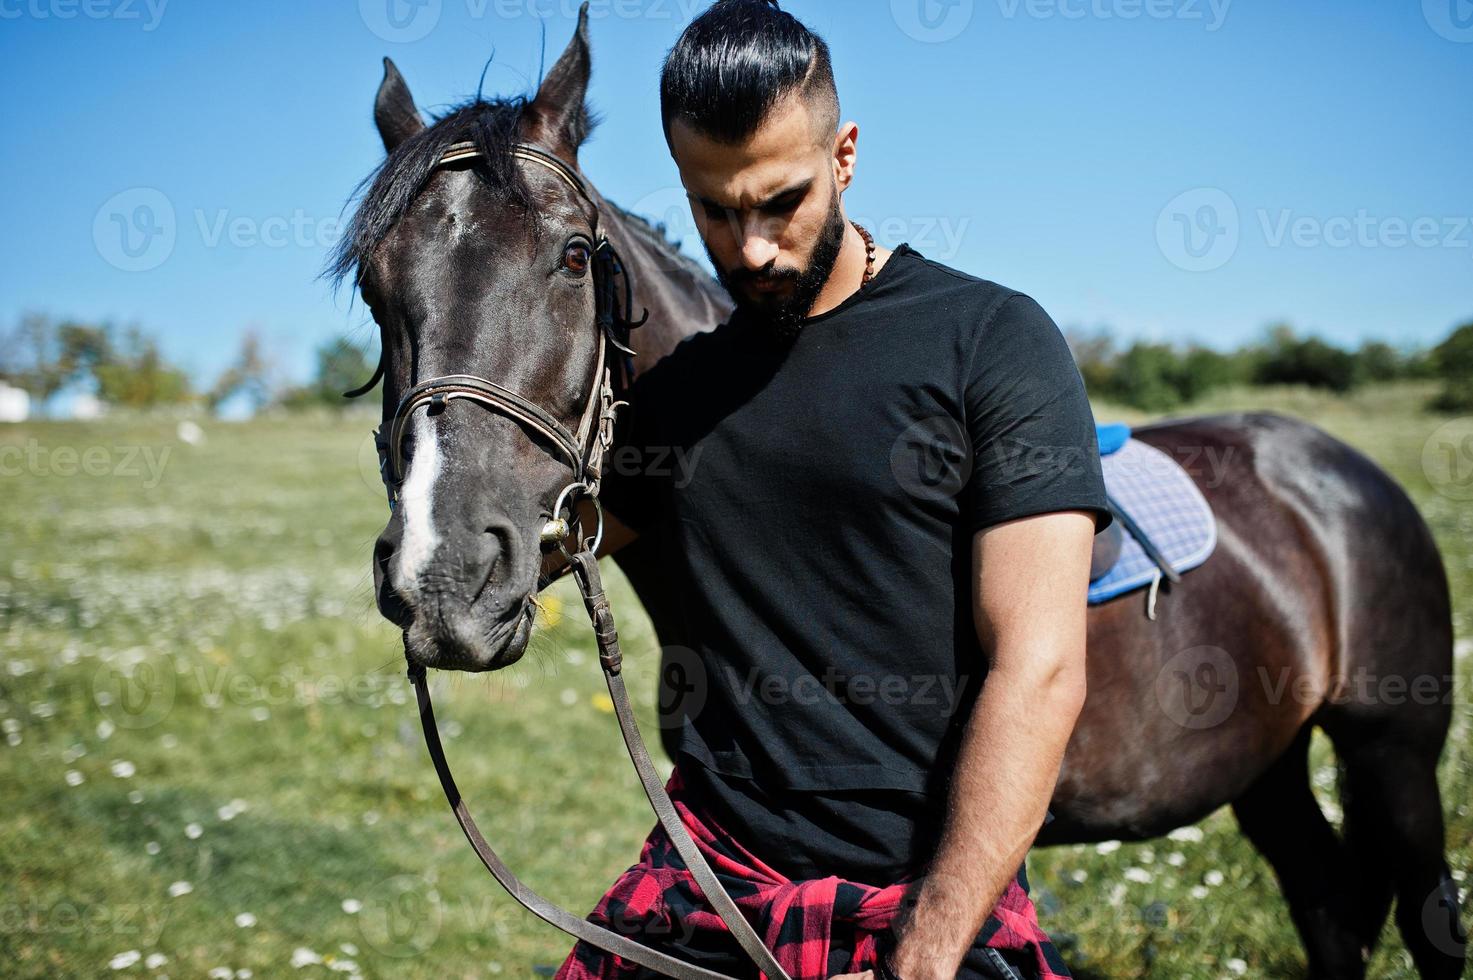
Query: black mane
[(387, 193)]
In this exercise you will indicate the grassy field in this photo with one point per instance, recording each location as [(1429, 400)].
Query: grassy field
[(211, 765)]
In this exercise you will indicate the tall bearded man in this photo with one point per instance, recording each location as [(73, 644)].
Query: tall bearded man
[(880, 548)]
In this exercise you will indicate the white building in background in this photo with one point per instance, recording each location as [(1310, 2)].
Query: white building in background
[(15, 404), (86, 407)]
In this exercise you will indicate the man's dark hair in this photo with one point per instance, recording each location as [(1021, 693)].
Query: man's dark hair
[(736, 62)]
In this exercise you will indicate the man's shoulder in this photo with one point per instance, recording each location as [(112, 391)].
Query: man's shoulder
[(975, 300)]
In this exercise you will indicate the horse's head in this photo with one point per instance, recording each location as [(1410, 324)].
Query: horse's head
[(483, 267)]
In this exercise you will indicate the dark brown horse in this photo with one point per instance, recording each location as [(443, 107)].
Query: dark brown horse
[(1324, 605)]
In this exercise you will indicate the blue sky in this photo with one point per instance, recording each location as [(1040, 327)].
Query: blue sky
[(1187, 170)]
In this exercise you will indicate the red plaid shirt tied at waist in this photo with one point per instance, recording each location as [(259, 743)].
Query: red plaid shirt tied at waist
[(816, 929)]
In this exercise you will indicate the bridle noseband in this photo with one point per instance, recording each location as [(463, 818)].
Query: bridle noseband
[(583, 450)]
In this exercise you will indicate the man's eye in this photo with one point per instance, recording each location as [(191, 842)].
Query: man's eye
[(783, 206), (577, 257)]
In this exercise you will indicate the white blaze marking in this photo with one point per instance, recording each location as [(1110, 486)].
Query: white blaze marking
[(415, 499)]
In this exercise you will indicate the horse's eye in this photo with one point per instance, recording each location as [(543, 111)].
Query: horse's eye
[(577, 257)]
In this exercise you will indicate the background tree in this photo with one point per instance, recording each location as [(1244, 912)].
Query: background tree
[(1453, 361), (250, 376), (341, 366)]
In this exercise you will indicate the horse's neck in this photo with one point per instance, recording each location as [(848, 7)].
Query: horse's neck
[(681, 298)]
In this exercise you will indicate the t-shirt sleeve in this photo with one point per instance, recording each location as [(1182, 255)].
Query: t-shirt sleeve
[(1029, 422)]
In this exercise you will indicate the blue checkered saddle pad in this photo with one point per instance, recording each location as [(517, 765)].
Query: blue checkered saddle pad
[(1161, 498)]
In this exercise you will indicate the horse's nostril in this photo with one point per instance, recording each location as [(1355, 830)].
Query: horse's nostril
[(383, 552)]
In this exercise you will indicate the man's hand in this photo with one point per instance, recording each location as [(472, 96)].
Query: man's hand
[(866, 975), (1031, 577)]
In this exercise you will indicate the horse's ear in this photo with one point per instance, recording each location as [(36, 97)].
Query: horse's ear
[(393, 109), (558, 117)]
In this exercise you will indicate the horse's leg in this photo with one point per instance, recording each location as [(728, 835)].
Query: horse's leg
[(1394, 825), (1280, 815)]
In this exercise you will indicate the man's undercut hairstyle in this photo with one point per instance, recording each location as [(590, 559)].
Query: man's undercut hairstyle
[(738, 61)]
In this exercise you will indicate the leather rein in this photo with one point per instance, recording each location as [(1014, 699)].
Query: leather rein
[(583, 450)]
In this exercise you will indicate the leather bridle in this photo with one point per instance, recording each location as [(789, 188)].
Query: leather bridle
[(583, 450)]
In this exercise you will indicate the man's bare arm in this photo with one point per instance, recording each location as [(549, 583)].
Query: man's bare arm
[(1030, 577)]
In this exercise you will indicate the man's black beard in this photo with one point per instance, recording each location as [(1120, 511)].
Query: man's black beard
[(785, 316)]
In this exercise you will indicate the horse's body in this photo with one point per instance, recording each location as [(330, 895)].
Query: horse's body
[(1326, 591)]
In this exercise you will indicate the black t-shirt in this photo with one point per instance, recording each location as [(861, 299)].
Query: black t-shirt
[(814, 508)]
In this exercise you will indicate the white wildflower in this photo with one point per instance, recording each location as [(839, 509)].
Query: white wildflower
[(302, 956)]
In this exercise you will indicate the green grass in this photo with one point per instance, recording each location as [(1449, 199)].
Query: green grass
[(276, 765)]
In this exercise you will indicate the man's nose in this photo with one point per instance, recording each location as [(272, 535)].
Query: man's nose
[(759, 243)]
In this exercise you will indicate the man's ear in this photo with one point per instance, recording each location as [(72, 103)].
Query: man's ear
[(558, 117), (393, 110), (846, 142)]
